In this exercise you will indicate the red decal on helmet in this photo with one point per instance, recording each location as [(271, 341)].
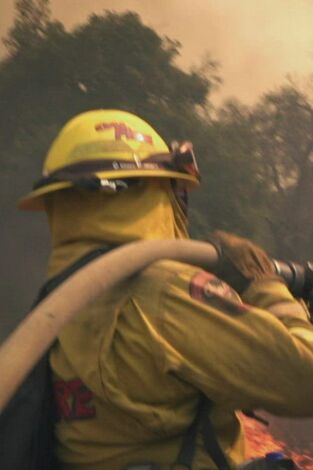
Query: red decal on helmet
[(209, 289), (121, 129)]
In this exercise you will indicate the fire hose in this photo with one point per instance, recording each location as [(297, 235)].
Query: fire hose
[(24, 347), (35, 334)]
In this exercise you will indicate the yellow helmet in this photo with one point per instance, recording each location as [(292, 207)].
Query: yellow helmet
[(102, 148)]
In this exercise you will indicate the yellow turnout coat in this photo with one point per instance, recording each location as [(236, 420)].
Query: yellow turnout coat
[(129, 370)]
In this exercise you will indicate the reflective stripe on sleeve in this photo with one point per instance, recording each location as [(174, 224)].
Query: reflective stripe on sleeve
[(289, 309), (302, 333)]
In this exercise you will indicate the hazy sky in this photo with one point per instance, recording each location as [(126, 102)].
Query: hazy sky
[(257, 42)]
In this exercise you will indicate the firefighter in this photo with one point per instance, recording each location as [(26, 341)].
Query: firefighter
[(157, 368)]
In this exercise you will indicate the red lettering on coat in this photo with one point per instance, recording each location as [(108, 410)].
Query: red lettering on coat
[(72, 400)]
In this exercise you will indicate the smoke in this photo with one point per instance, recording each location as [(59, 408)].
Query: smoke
[(256, 43)]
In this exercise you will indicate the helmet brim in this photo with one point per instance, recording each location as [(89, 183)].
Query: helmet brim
[(33, 201)]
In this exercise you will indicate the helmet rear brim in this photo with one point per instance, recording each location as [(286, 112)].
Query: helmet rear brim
[(33, 201)]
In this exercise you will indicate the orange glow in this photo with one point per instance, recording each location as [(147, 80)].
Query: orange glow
[(260, 441)]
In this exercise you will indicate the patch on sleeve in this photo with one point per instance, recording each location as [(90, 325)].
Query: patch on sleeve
[(209, 289)]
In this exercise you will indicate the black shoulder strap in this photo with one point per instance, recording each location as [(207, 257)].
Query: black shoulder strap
[(211, 443), (26, 424), (57, 280), (203, 423), (188, 445)]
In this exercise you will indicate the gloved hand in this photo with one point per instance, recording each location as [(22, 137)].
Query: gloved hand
[(241, 261)]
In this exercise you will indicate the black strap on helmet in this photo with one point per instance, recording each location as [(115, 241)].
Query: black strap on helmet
[(83, 173)]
